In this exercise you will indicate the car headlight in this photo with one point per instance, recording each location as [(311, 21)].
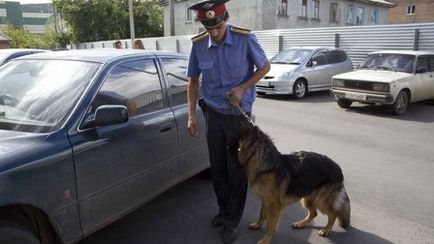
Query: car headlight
[(380, 87), (337, 82)]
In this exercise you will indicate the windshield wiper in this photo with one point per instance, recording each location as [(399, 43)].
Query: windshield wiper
[(383, 68), (294, 63), (279, 62)]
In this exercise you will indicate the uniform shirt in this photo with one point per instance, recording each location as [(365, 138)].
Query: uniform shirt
[(226, 66)]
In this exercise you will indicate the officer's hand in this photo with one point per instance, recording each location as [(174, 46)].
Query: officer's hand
[(235, 95), (192, 126)]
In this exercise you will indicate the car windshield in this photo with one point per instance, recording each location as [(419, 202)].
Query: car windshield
[(36, 95), (292, 56), (393, 62)]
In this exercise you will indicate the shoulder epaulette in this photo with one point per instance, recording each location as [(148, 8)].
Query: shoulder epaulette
[(240, 30), (199, 37)]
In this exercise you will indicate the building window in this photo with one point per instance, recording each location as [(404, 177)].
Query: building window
[(411, 9), (334, 14), (303, 8), (374, 16), (188, 14), (316, 9), (350, 17), (360, 16), (282, 8)]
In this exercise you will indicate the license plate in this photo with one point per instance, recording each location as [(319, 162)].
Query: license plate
[(355, 96), (263, 83)]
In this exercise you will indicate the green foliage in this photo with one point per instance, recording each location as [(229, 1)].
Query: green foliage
[(23, 39), (98, 20)]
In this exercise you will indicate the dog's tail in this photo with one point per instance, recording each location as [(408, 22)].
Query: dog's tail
[(342, 206)]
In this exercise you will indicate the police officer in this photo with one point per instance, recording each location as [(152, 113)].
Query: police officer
[(231, 62)]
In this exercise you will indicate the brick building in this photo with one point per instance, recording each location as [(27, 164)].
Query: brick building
[(411, 11)]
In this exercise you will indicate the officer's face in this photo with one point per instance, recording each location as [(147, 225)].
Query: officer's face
[(218, 32)]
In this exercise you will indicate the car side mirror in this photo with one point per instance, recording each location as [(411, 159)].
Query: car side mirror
[(107, 115), (421, 70), (314, 63)]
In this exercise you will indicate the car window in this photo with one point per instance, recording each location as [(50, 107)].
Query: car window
[(334, 57), (175, 69), (135, 85), (320, 58), (389, 61), (422, 64), (431, 63)]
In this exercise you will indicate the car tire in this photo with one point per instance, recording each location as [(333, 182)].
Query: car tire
[(260, 93), (12, 233), (344, 103), (400, 106), (299, 89)]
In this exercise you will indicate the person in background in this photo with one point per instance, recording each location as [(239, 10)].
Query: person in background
[(226, 56), (138, 44), (118, 44)]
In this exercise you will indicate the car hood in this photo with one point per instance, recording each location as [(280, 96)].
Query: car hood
[(13, 141), (277, 70), (373, 75)]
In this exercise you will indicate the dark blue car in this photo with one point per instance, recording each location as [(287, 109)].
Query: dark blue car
[(88, 136)]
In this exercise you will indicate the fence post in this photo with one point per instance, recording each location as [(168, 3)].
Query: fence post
[(336, 40), (178, 46), (416, 40), (157, 45), (280, 43)]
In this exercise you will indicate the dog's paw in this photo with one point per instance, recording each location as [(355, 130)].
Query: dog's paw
[(298, 225), (263, 242), (323, 232), (255, 226)]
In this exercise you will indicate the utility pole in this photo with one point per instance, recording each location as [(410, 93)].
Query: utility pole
[(130, 3)]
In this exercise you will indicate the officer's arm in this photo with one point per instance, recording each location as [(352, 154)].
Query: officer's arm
[(192, 93), (236, 93)]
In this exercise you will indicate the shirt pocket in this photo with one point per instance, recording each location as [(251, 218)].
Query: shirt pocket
[(208, 70), (233, 68)]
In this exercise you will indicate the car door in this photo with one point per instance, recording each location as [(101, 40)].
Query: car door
[(118, 167), (422, 84), (317, 71), (193, 152)]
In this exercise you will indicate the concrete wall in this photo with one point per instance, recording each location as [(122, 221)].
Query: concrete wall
[(263, 15)]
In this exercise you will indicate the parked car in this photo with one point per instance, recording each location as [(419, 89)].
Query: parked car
[(8, 54), (298, 71), (88, 136), (390, 78)]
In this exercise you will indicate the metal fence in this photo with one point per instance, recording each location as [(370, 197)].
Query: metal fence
[(357, 41)]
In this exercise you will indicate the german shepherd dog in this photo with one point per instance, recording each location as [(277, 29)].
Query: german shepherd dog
[(283, 179)]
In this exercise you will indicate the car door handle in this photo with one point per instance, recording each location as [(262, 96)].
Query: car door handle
[(165, 128)]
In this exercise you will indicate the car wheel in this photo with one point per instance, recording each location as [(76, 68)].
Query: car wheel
[(300, 89), (344, 103), (400, 105), (12, 233)]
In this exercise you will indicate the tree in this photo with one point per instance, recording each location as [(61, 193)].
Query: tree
[(21, 38), (98, 20)]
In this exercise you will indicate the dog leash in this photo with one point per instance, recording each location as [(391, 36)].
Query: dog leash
[(238, 107)]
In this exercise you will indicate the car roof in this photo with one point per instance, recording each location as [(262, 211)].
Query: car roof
[(408, 52), (15, 50), (314, 47), (98, 55)]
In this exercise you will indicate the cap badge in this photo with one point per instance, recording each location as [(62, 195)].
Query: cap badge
[(210, 14), (208, 5)]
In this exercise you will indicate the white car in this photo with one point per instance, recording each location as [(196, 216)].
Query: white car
[(390, 78), (300, 70)]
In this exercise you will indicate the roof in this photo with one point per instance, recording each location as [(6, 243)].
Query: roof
[(96, 55), (15, 50), (408, 52), (4, 37)]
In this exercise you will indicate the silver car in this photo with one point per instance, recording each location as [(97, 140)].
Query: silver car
[(298, 71)]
